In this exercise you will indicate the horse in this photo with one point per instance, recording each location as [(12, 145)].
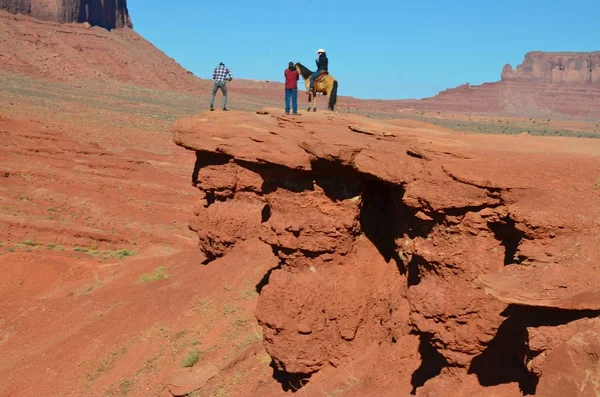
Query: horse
[(327, 84)]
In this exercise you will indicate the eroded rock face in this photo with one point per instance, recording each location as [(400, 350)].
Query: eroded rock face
[(573, 368), (449, 383), (382, 235), (109, 14), (544, 340), (556, 67)]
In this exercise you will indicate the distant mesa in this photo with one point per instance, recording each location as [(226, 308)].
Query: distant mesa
[(109, 14), (545, 84), (556, 67)]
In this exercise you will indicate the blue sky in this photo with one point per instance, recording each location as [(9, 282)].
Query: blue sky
[(389, 49)]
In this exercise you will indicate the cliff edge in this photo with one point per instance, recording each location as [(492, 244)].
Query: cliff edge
[(418, 262)]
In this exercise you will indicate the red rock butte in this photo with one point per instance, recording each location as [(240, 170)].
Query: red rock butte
[(109, 14), (545, 84)]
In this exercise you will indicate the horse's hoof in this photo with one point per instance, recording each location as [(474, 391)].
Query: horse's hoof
[(315, 109)]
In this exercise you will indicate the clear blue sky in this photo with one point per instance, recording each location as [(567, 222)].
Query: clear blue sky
[(377, 49)]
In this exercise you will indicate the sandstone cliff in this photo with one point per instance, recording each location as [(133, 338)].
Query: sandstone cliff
[(545, 84), (556, 67), (395, 249), (109, 14)]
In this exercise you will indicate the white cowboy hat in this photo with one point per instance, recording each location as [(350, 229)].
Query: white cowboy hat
[(320, 50)]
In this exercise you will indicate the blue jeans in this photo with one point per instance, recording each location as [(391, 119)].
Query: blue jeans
[(293, 94), (313, 77), (219, 85)]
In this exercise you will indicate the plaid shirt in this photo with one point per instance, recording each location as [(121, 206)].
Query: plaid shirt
[(221, 72)]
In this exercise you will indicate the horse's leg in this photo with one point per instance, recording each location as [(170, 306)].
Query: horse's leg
[(307, 83), (315, 102)]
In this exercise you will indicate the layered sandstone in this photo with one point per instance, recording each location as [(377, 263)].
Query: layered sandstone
[(384, 234), (109, 14)]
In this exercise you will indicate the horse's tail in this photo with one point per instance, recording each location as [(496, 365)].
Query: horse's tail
[(333, 96)]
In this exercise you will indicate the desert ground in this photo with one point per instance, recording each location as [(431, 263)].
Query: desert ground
[(455, 253)]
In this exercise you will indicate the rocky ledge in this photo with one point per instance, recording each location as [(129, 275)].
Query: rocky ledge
[(433, 260)]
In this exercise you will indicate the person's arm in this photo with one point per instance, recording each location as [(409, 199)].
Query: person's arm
[(229, 74)]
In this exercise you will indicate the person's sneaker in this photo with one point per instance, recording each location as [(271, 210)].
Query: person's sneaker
[(287, 112), (225, 110), (296, 114)]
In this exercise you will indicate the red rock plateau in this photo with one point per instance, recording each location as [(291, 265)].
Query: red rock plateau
[(565, 84), (410, 260), (326, 255)]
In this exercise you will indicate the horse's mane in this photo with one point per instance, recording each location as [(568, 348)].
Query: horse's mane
[(304, 71)]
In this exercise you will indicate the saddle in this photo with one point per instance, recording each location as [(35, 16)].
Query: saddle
[(321, 76), (319, 79)]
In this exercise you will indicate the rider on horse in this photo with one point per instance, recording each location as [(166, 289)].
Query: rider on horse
[(322, 67)]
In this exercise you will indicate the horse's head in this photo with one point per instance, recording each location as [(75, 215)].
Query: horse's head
[(304, 72)]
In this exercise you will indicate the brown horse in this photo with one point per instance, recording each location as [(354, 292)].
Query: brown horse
[(328, 85)]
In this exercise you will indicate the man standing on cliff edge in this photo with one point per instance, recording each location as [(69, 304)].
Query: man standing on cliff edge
[(291, 88), (221, 76)]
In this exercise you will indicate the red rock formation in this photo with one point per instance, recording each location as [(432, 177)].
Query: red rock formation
[(382, 235), (76, 53), (573, 368), (109, 14), (546, 84), (556, 67)]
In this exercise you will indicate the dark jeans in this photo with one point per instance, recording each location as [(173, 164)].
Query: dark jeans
[(219, 85), (313, 77), (293, 94)]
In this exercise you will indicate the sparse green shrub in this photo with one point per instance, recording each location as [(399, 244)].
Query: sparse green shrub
[(190, 358), (228, 309), (159, 274), (124, 254)]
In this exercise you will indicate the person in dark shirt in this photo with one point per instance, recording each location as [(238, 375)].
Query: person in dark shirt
[(291, 88), (322, 66)]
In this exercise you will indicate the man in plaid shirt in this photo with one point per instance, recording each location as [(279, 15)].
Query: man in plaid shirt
[(221, 76)]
